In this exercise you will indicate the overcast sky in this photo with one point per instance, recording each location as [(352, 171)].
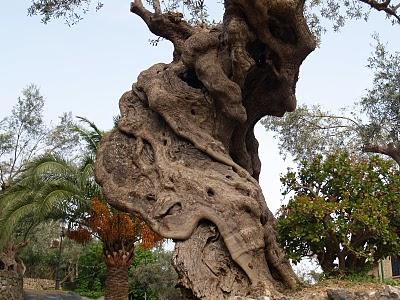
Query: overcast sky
[(86, 68)]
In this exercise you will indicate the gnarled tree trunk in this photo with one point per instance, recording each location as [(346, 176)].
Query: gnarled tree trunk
[(184, 155)]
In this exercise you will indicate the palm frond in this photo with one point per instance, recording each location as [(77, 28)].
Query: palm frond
[(91, 136)]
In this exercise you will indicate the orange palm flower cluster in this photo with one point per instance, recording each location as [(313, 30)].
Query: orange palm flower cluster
[(80, 235), (115, 227)]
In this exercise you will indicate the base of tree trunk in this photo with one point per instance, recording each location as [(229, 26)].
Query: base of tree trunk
[(206, 269)]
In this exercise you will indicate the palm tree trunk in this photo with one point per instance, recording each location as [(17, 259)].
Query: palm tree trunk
[(118, 258), (117, 286)]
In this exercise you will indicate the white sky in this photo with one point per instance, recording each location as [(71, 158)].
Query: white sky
[(86, 68)]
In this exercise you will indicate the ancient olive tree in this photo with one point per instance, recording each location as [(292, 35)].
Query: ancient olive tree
[(343, 210), (184, 154)]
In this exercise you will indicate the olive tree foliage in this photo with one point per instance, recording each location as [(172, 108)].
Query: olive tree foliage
[(343, 210), (382, 104), (195, 11), (371, 126), (71, 11), (24, 135), (322, 14), (154, 275)]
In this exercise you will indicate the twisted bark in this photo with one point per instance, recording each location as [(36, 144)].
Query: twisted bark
[(184, 155)]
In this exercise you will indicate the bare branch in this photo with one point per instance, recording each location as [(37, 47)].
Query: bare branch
[(170, 26), (157, 7), (384, 6), (390, 150), (338, 117), (15, 155)]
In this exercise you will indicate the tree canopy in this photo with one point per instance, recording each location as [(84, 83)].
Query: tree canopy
[(196, 11), (373, 125), (342, 209)]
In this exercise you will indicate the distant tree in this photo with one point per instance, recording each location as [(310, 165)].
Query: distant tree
[(24, 135), (310, 131), (382, 104), (373, 126), (40, 255), (155, 276), (343, 210), (92, 271)]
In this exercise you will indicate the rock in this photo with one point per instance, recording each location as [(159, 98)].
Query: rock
[(354, 293), (390, 293), (342, 294), (50, 295), (247, 298)]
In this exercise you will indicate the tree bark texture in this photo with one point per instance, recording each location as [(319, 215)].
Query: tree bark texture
[(184, 155), (117, 285)]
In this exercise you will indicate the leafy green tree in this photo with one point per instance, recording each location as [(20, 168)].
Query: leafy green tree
[(40, 255), (344, 210), (49, 188), (154, 275), (92, 271), (372, 127)]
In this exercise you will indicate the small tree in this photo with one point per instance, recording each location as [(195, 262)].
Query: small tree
[(153, 276), (344, 210), (119, 233)]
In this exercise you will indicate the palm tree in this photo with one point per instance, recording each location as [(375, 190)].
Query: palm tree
[(54, 188), (49, 188)]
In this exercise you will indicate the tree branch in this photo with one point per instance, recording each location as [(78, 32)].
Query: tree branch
[(299, 187), (14, 161), (384, 6), (157, 7), (170, 26), (389, 150), (337, 117)]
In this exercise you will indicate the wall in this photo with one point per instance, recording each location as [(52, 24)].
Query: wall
[(11, 285)]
